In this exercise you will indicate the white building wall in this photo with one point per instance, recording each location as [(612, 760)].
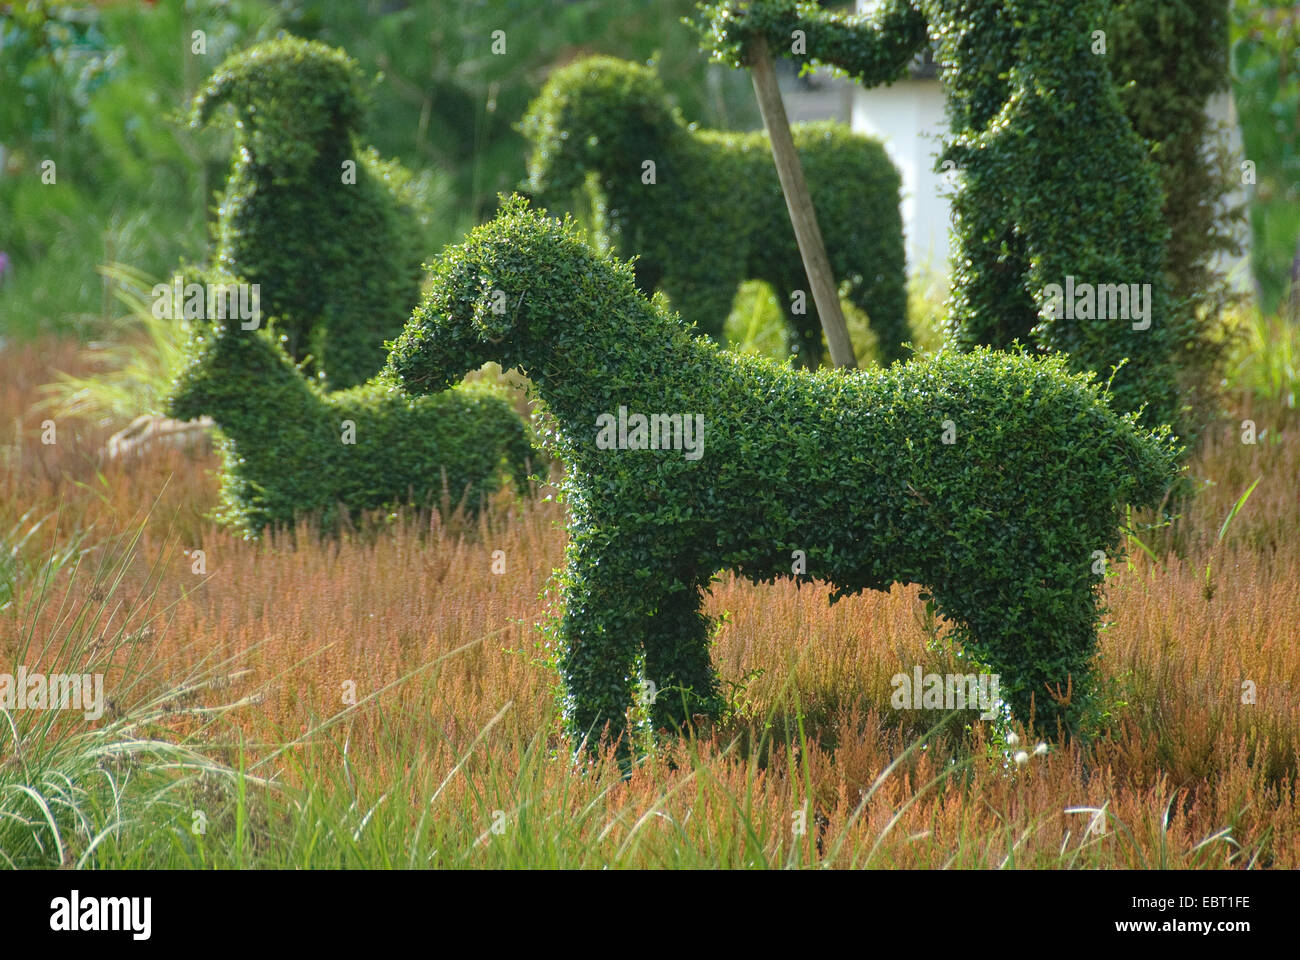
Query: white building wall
[(908, 118)]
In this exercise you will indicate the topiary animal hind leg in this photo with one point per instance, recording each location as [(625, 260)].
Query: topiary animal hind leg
[(679, 661), (884, 301), (1038, 638)]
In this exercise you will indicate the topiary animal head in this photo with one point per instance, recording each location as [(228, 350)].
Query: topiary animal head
[(229, 359), (521, 290), (294, 102), (596, 114)]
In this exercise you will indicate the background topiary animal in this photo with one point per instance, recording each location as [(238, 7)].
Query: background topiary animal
[(1169, 57), (715, 215), (1001, 526), (291, 448), (323, 225), (1054, 182)]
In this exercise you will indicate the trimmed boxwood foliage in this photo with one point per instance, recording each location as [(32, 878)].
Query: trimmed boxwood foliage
[(1169, 57), (1053, 180), (1002, 525), (338, 262), (715, 215), (283, 438)]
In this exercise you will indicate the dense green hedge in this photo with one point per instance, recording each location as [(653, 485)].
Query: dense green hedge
[(338, 262), (284, 445), (1054, 182), (1169, 57), (715, 215), (1002, 525)]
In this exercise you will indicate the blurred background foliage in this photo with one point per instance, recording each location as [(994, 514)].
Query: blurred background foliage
[(100, 90), (1266, 84)]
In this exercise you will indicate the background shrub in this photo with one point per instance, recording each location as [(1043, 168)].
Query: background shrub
[(1054, 180), (714, 214)]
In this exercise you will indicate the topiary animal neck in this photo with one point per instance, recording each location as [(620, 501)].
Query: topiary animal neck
[(618, 353), (624, 178), (325, 169), (260, 389)]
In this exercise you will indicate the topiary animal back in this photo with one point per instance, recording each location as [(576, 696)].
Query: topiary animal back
[(321, 223)]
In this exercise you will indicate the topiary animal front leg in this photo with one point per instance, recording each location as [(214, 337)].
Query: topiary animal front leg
[(605, 620), (702, 300)]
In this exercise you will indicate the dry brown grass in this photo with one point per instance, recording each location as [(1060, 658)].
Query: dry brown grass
[(1180, 758)]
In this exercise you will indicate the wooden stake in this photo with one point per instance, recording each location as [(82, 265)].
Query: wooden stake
[(803, 216)]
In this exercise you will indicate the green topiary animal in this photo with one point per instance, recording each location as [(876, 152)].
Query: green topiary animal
[(289, 448), (1169, 57), (996, 480), (1055, 187), (322, 224), (710, 213)]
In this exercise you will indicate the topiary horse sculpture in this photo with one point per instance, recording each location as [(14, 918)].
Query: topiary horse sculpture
[(710, 214), (322, 224), (684, 459), (290, 448)]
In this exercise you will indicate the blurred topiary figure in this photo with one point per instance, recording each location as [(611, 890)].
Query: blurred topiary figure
[(1055, 187), (1169, 57), (290, 448), (322, 224), (996, 480), (703, 210)]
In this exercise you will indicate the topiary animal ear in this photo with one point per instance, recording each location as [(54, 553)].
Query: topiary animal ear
[(218, 90)]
